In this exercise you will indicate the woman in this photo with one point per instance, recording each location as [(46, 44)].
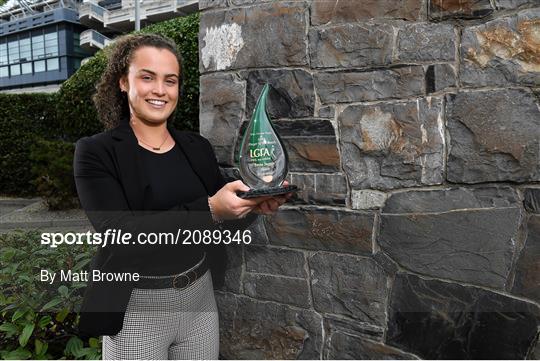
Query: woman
[(142, 176)]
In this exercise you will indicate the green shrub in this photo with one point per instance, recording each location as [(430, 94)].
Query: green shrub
[(75, 109), (38, 320), (52, 165), (23, 117)]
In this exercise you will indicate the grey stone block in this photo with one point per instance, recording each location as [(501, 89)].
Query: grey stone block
[(514, 4), (327, 112), (227, 305), (221, 113), (322, 229), (336, 11), (535, 353), (440, 320), (426, 42), (351, 45), (527, 278), (336, 323), (258, 232), (440, 77), (531, 200), (291, 94), (392, 145), (445, 200), (356, 287), (233, 274), (343, 346), (240, 38), (318, 188), (276, 261), (501, 52), (291, 291), (267, 330), (495, 136), (471, 245), (462, 9), (247, 2), (374, 85), (312, 154), (367, 199)]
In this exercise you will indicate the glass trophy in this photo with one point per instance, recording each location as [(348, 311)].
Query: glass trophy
[(263, 160)]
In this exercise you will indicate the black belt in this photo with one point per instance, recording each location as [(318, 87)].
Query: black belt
[(179, 281)]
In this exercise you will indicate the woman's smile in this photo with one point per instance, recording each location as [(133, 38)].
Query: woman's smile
[(157, 104)]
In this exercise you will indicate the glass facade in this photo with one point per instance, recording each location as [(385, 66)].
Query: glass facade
[(34, 52), (43, 49)]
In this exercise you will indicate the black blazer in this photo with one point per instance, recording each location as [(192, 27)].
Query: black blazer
[(114, 193)]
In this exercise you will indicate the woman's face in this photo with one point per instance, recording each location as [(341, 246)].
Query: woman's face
[(152, 84)]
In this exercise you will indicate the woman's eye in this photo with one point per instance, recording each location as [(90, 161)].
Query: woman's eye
[(172, 82), (147, 77)]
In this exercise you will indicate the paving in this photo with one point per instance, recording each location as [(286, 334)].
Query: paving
[(32, 214)]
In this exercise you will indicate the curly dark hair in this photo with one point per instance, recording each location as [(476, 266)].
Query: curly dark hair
[(112, 104)]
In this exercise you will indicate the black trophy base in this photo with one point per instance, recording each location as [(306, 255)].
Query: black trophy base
[(275, 191)]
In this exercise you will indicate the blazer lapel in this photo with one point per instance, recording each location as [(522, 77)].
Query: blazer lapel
[(133, 179)]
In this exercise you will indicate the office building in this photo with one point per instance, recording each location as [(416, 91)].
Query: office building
[(43, 42)]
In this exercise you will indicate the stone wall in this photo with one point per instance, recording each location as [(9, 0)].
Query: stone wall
[(413, 129)]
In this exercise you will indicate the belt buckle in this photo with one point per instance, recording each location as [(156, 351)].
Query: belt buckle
[(195, 276), (175, 279)]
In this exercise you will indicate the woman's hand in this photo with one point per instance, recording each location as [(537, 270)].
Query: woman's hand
[(226, 205), (270, 206)]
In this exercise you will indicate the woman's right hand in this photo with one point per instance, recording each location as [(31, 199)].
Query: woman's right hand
[(226, 205)]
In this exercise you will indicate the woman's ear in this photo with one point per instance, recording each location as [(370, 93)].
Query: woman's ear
[(123, 84)]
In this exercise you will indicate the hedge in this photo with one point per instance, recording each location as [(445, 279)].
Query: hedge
[(23, 119), (69, 115)]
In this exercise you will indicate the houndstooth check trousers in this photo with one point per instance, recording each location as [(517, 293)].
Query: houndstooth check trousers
[(168, 324)]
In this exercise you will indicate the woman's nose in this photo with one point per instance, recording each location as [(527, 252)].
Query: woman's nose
[(159, 88)]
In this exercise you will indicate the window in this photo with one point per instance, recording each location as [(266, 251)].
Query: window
[(77, 43), (25, 49), (76, 63), (52, 64), (13, 50), (38, 47), (4, 72), (51, 44), (26, 68), (15, 70), (39, 66), (3, 54)]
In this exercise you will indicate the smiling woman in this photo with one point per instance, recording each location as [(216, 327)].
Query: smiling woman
[(152, 91), (144, 176)]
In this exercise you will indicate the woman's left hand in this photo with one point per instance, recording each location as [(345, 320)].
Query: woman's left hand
[(270, 205)]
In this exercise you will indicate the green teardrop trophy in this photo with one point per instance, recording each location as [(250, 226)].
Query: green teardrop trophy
[(263, 158)]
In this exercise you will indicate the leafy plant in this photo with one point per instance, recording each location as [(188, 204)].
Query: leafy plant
[(52, 165), (23, 117), (38, 320), (75, 109)]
